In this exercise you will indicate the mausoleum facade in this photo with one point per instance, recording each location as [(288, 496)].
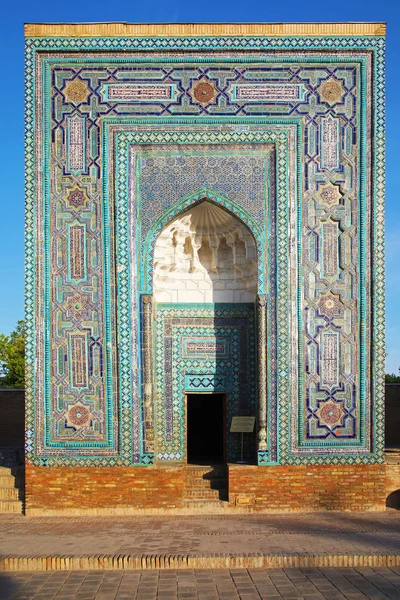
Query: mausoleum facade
[(204, 240)]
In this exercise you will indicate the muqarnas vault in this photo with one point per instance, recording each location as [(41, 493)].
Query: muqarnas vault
[(204, 240)]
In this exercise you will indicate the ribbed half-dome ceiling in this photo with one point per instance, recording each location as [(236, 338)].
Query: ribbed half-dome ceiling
[(205, 255), (207, 218)]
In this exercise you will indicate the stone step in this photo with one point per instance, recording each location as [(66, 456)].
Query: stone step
[(10, 493), (206, 506), (7, 481), (206, 476), (11, 489), (5, 471), (206, 472), (204, 494), (10, 506), (214, 483), (17, 473)]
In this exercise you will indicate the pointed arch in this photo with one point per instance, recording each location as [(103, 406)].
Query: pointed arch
[(185, 204), (206, 254)]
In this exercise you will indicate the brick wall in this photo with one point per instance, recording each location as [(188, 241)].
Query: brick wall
[(308, 488), (393, 477), (117, 488), (12, 417), (393, 484), (120, 490)]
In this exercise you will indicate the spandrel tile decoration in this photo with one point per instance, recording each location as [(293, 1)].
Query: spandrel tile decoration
[(204, 216)]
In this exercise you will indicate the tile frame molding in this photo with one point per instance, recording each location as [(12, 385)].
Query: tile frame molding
[(202, 29)]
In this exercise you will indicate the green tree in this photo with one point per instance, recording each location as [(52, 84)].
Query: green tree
[(12, 357), (392, 378)]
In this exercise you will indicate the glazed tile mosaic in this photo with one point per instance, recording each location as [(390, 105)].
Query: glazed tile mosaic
[(207, 348), (125, 135)]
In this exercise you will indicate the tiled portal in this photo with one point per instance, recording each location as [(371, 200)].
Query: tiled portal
[(204, 214)]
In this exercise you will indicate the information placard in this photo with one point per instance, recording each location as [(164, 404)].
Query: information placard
[(242, 424)]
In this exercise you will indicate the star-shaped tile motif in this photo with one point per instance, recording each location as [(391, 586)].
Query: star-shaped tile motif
[(78, 306), (78, 416), (77, 197), (329, 305), (203, 91), (329, 194), (330, 414), (331, 91), (76, 91)]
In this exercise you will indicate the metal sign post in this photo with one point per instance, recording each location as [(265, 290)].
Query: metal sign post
[(242, 425)]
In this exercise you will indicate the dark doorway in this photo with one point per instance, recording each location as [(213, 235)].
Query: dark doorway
[(205, 428)]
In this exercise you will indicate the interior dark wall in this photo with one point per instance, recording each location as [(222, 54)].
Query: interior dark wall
[(12, 417), (392, 417)]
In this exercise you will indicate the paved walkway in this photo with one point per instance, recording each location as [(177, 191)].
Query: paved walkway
[(243, 584), (305, 534)]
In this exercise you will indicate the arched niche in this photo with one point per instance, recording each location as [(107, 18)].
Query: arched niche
[(205, 255)]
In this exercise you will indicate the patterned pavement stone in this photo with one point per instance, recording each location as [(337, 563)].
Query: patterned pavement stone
[(229, 584), (289, 534)]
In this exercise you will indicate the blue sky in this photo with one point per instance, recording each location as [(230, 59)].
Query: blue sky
[(15, 13)]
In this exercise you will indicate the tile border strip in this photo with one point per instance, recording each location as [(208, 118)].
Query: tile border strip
[(201, 29)]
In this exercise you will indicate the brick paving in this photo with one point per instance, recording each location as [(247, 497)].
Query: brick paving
[(223, 584), (313, 533)]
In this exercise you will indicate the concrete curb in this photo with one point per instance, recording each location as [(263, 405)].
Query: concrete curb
[(128, 562)]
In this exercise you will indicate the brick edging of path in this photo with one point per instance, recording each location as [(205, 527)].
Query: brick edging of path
[(128, 562)]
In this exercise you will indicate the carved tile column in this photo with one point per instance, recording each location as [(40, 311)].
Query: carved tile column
[(147, 355), (262, 372)]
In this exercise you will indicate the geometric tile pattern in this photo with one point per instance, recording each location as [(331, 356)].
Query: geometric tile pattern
[(203, 341), (87, 135)]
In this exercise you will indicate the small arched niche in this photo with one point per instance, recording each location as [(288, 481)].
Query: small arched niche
[(205, 255), (393, 500)]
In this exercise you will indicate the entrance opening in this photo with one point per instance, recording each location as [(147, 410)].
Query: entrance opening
[(205, 428)]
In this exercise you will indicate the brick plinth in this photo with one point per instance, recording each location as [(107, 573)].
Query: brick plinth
[(88, 489), (308, 488), (135, 490)]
